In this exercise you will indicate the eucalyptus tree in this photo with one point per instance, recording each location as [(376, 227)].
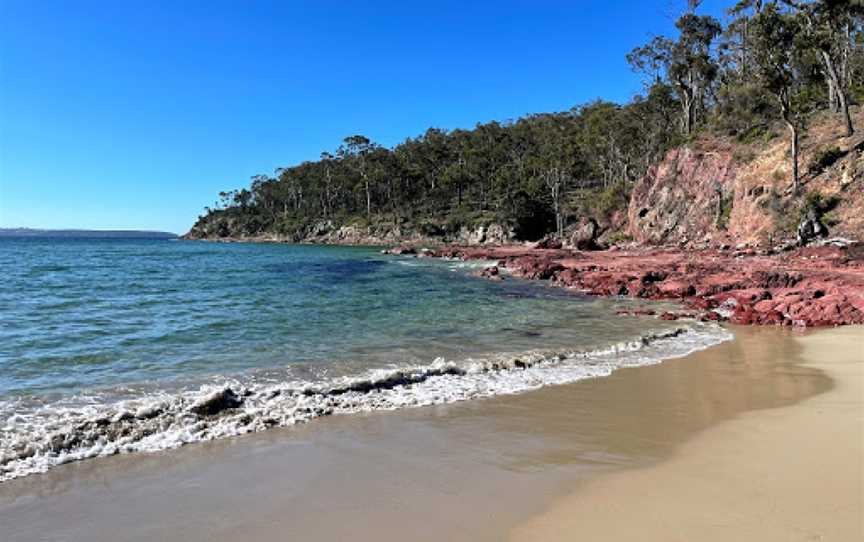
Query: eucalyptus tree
[(687, 63), (736, 36), (356, 151), (554, 160), (652, 115), (829, 28), (327, 162), (453, 176), (779, 53)]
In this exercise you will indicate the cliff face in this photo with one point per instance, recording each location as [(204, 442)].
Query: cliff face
[(681, 199), (718, 192)]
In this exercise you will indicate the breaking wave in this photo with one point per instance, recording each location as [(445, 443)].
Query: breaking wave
[(33, 440)]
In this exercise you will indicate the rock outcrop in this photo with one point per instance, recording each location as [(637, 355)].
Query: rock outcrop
[(584, 235), (327, 232), (811, 228), (812, 286), (493, 234), (717, 192), (680, 199)]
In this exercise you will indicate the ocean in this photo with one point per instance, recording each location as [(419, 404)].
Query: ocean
[(114, 346)]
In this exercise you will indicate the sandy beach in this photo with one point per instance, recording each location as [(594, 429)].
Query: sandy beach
[(794, 473), (757, 438)]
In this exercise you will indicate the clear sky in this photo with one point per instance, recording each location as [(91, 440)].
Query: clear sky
[(135, 114)]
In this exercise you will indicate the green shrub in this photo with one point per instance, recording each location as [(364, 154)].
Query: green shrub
[(358, 221), (743, 155), (619, 237), (431, 229), (819, 205), (726, 203), (463, 217), (609, 200), (830, 219), (824, 158), (760, 133)]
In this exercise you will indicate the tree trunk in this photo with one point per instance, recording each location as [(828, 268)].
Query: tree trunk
[(788, 118), (553, 182), (833, 106), (793, 135), (839, 92), (687, 106), (844, 109), (328, 199), (368, 199)]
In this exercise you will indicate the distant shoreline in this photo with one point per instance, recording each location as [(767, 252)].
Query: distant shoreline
[(30, 233)]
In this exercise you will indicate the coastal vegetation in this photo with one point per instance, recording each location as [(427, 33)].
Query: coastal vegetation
[(767, 70)]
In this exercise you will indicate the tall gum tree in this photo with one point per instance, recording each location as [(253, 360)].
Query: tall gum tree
[(688, 63), (357, 150), (778, 55), (828, 32)]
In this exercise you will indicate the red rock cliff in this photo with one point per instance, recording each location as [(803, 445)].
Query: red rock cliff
[(718, 192)]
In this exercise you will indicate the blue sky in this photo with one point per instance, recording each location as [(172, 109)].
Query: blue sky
[(135, 114)]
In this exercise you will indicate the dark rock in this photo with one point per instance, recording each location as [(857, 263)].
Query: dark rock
[(216, 402), (810, 229), (492, 273), (584, 235), (549, 242), (401, 251)]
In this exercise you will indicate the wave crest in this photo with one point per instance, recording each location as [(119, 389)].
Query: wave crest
[(54, 435)]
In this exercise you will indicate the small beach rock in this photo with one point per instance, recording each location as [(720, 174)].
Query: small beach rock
[(492, 273), (548, 242), (401, 251), (216, 402)]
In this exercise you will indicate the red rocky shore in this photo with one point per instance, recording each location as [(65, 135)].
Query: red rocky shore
[(810, 286)]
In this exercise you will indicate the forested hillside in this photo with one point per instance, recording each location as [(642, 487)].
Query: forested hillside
[(761, 76)]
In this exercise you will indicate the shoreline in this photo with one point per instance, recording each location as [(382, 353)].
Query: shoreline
[(819, 286), (794, 473), (161, 420), (485, 466)]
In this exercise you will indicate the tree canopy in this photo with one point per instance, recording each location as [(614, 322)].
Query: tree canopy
[(772, 62)]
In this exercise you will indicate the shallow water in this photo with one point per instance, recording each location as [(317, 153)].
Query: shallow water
[(111, 346), (469, 471)]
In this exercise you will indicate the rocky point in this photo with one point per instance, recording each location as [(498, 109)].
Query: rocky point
[(810, 286)]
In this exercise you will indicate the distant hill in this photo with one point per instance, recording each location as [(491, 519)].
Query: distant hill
[(85, 234)]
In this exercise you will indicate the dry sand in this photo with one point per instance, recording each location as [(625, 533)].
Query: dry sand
[(786, 474), (477, 470)]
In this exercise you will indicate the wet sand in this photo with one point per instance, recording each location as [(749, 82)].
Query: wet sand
[(468, 471), (788, 474)]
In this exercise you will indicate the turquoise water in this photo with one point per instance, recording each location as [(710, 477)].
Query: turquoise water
[(95, 328)]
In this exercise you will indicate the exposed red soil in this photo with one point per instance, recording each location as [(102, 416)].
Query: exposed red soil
[(812, 286)]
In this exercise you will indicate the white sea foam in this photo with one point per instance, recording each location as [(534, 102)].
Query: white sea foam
[(32, 440), (454, 264)]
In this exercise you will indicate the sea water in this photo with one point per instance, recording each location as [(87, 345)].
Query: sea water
[(121, 346)]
